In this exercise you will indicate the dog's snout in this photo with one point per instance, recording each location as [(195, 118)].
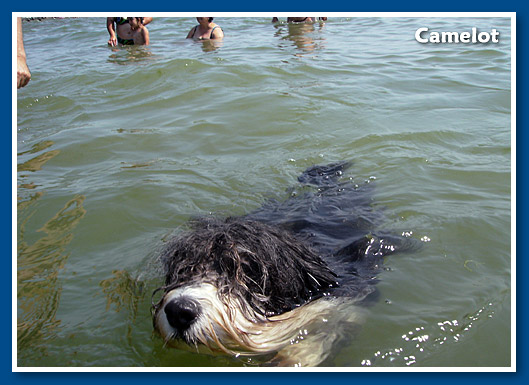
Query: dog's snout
[(181, 313)]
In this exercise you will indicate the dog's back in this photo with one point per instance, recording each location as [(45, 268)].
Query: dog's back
[(336, 216)]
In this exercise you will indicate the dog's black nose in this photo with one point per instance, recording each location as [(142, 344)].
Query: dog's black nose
[(181, 313)]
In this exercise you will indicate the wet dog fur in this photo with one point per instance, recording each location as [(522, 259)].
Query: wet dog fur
[(281, 283)]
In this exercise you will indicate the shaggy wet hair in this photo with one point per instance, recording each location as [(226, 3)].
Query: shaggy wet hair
[(248, 285), (266, 267)]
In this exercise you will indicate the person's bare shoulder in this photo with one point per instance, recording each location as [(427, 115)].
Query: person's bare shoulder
[(218, 33)]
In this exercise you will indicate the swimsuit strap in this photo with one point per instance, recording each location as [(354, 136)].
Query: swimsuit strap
[(195, 30), (211, 34)]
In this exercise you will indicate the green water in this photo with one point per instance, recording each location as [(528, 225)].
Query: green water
[(118, 147)]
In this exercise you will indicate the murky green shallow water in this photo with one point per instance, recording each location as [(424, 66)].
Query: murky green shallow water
[(117, 147)]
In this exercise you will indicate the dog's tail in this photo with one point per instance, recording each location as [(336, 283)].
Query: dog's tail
[(324, 175)]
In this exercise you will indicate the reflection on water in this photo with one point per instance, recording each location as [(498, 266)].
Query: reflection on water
[(122, 290), (130, 54), (39, 264), (302, 35), (38, 147), (36, 163), (210, 45)]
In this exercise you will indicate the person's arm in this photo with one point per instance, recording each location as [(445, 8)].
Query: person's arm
[(146, 36), (146, 20), (191, 33), (23, 74), (113, 41)]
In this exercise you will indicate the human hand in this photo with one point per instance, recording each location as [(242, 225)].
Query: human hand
[(23, 74), (113, 41)]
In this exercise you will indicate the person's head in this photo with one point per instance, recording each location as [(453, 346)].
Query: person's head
[(135, 22), (204, 20)]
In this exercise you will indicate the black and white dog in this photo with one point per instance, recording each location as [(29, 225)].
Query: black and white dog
[(284, 282)]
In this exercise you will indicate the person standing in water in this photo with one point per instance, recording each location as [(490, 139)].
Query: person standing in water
[(205, 30), (140, 34), (120, 30)]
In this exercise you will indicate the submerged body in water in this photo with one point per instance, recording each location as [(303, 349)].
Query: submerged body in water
[(248, 286)]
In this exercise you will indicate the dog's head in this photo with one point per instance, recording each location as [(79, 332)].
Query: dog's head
[(224, 277)]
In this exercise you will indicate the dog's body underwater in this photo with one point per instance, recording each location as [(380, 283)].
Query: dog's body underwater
[(282, 283)]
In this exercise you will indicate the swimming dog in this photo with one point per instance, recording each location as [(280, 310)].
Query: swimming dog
[(282, 283)]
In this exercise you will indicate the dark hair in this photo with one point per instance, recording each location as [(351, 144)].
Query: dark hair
[(266, 267), (210, 19), (140, 19)]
